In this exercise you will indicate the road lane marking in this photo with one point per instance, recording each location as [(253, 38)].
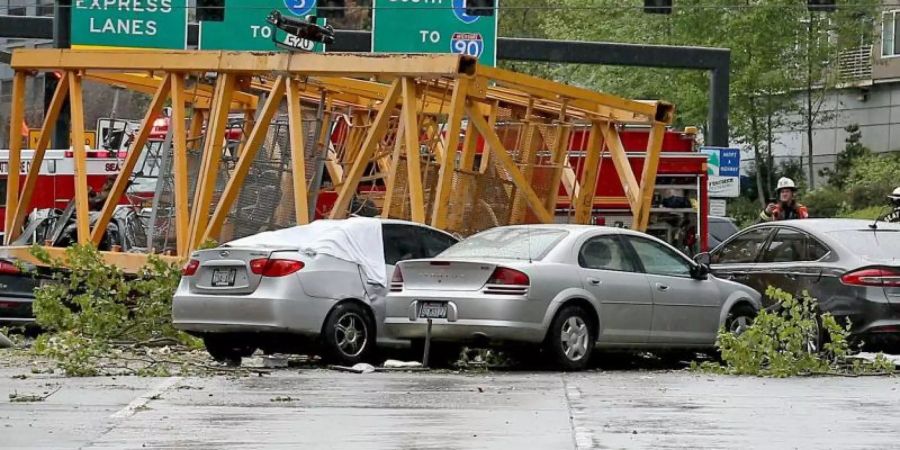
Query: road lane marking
[(141, 401), (583, 436)]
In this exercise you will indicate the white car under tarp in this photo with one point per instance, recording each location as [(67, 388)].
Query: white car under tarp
[(357, 240)]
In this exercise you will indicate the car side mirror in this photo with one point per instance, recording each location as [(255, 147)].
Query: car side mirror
[(700, 271), (702, 258)]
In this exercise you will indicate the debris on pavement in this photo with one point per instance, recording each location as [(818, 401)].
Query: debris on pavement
[(15, 397), (396, 364), (5, 342), (275, 361), (357, 368), (869, 356)]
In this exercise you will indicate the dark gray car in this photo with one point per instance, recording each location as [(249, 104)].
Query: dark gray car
[(850, 266), (17, 287)]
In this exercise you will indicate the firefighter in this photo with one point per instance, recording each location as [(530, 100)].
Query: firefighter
[(894, 215), (786, 207)]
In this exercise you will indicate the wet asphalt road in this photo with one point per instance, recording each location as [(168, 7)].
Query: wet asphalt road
[(317, 408)]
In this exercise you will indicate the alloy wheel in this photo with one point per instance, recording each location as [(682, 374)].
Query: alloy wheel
[(574, 338), (351, 334), (740, 324)]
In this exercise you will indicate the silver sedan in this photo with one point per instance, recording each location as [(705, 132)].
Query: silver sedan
[(567, 287)]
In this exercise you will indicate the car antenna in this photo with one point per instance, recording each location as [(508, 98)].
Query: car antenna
[(874, 225)]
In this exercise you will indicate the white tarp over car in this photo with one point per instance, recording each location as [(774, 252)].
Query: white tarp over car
[(357, 240)]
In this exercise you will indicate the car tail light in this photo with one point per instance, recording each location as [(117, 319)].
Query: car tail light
[(8, 268), (397, 280), (873, 276), (258, 266), (507, 281), (274, 268), (190, 268), (506, 276)]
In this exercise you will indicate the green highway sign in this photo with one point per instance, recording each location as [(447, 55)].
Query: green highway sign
[(245, 28), (433, 26), (130, 23)]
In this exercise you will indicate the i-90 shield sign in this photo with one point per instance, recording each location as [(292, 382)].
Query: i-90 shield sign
[(471, 44)]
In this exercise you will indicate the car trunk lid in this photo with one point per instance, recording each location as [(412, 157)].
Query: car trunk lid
[(446, 275), (227, 271)]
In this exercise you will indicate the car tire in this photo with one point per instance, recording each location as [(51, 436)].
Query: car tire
[(739, 318), (348, 336), (571, 338), (227, 349)]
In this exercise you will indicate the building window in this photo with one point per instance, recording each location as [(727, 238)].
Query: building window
[(889, 44), (45, 8)]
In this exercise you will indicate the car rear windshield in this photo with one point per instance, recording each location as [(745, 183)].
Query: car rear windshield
[(880, 244), (523, 243)]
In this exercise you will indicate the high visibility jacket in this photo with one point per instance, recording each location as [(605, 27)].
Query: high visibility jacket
[(795, 211)]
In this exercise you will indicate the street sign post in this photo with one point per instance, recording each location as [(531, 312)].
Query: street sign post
[(724, 171), (147, 24), (433, 26), (245, 28)]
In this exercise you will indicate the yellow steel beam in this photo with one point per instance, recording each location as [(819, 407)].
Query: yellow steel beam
[(212, 154), (578, 97), (448, 156), (392, 164), (558, 155), (623, 167), (127, 262), (648, 174), (53, 110), (248, 155), (196, 131), (486, 150), (82, 211), (499, 152), (413, 157), (180, 165), (298, 153), (17, 118), (332, 64), (374, 136), (469, 146), (589, 175), (530, 146), (134, 153), (198, 95)]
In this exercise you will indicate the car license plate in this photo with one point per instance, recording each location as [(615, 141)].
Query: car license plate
[(223, 278), (433, 310)]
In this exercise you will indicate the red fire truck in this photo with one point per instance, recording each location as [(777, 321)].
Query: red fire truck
[(56, 183), (680, 204), (680, 207)]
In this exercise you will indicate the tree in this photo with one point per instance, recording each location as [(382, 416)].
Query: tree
[(775, 57), (847, 158), (825, 37)]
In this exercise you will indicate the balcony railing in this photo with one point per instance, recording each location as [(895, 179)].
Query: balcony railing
[(856, 64)]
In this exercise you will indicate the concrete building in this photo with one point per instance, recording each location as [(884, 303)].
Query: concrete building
[(868, 96)]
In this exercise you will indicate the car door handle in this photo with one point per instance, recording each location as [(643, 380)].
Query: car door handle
[(595, 281), (662, 287)]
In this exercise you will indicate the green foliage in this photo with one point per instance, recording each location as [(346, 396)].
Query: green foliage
[(828, 201), (872, 178), (744, 211), (870, 213), (846, 159), (93, 305), (785, 343)]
